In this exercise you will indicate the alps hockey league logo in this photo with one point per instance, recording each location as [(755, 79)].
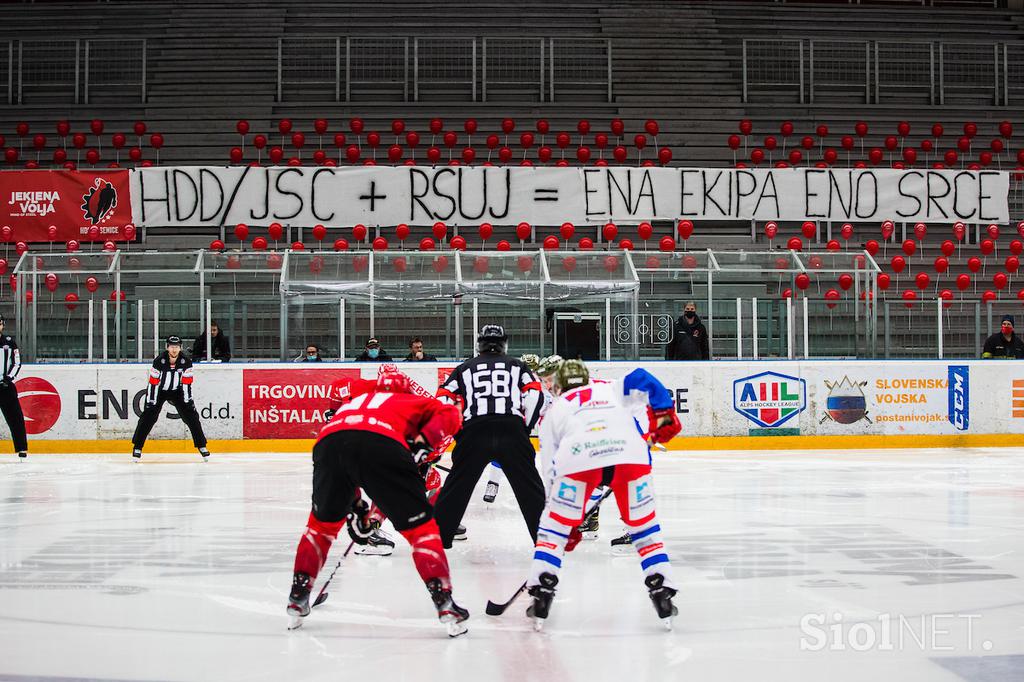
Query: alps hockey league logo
[(99, 201), (846, 403), (769, 399)]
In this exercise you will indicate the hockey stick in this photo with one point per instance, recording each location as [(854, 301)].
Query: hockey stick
[(493, 609), (322, 596)]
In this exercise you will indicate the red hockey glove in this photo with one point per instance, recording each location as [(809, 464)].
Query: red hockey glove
[(575, 535), (432, 483), (664, 424)]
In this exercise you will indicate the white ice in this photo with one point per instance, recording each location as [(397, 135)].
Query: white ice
[(173, 569)]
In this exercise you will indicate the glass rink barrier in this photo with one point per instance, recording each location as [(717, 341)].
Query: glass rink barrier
[(601, 304)]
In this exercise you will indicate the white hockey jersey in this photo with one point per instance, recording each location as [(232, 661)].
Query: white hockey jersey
[(600, 425)]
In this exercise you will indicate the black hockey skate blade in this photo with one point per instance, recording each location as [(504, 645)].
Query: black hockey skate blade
[(320, 599)]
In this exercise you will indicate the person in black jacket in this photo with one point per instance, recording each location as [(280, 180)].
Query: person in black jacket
[(1004, 344), (10, 357), (416, 353), (170, 380), (501, 402), (690, 340), (312, 354), (221, 345), (373, 352)]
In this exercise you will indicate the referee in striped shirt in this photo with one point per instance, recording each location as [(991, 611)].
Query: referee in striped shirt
[(10, 357), (170, 380), (501, 400)]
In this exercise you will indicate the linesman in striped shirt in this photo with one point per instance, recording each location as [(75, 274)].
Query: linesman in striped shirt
[(10, 357), (170, 380), (500, 399)]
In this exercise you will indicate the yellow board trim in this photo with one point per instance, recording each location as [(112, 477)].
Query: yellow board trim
[(791, 443)]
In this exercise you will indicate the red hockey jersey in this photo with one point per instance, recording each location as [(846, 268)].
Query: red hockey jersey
[(401, 416), (347, 388)]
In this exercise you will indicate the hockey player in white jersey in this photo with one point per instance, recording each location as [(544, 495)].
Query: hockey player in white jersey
[(592, 436)]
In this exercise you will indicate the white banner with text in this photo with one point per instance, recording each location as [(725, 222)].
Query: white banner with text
[(463, 195)]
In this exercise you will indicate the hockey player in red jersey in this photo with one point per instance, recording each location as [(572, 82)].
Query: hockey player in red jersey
[(375, 441), (342, 391)]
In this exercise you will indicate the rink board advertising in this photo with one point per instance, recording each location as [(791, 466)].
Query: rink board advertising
[(283, 401)]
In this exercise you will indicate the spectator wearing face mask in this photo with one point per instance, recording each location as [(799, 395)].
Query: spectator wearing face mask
[(416, 353), (1004, 344), (373, 352), (312, 354), (690, 341)]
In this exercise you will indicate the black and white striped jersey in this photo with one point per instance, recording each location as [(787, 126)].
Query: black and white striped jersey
[(10, 356), (491, 385), (167, 377)]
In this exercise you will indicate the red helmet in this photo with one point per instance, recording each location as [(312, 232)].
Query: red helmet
[(393, 382)]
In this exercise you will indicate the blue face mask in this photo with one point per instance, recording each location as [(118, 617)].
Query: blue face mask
[(311, 356), (373, 352)]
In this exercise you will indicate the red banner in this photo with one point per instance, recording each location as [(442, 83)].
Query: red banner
[(287, 403), (73, 201)]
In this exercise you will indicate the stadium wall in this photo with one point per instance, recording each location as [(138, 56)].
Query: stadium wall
[(770, 405)]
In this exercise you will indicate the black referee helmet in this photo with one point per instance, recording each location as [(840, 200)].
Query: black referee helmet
[(492, 339)]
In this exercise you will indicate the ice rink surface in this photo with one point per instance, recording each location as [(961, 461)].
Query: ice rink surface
[(887, 565)]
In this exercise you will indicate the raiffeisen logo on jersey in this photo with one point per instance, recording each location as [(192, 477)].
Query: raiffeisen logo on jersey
[(769, 399)]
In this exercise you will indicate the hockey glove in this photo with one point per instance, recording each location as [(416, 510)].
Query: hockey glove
[(422, 454), (575, 535), (359, 523), (664, 424)]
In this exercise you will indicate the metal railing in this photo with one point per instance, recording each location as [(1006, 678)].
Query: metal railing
[(903, 68), (114, 66), (507, 66), (346, 68), (8, 70), (576, 64), (877, 71), (73, 71), (445, 66), (774, 65)]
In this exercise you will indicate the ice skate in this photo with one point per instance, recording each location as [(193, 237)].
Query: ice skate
[(622, 545), (378, 544), (491, 492), (298, 600), (137, 454), (451, 614), (23, 454), (543, 594), (661, 597), (460, 533), (204, 452), (589, 527)]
